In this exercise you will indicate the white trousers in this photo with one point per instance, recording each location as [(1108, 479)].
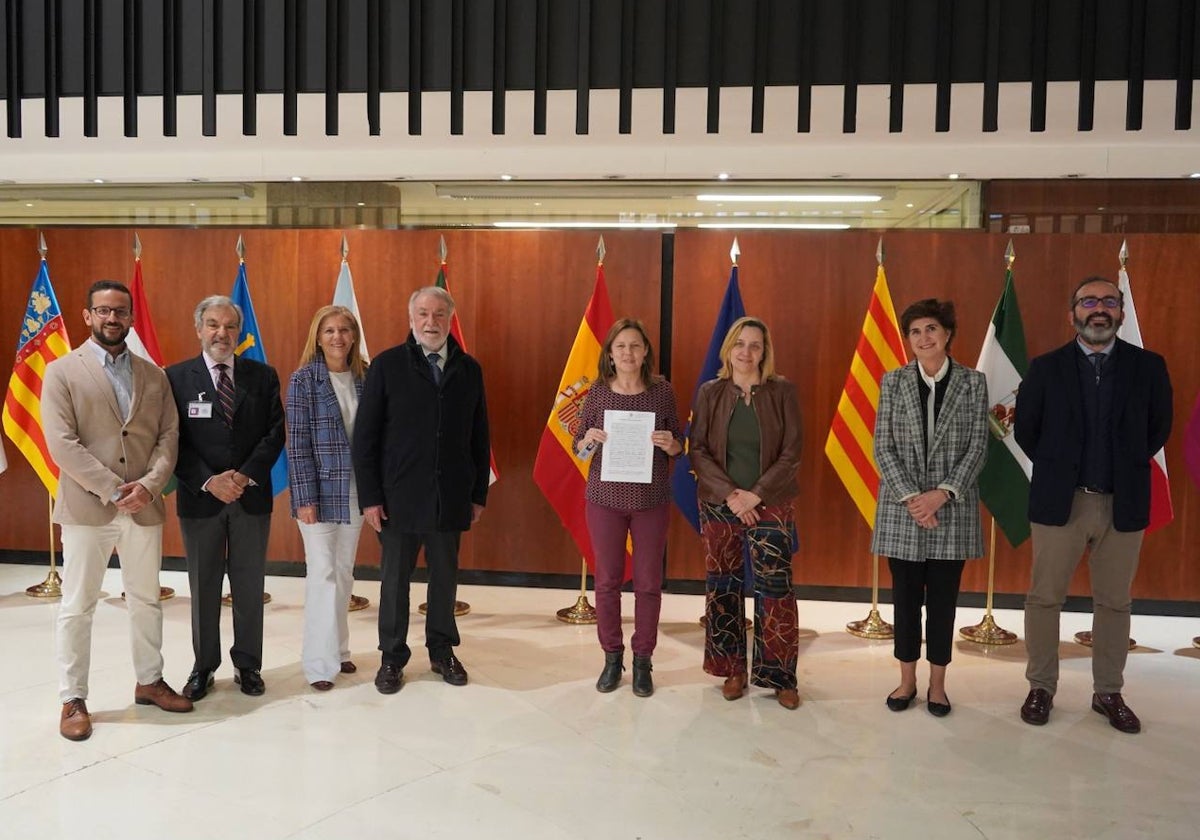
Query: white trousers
[(86, 550), (329, 550)]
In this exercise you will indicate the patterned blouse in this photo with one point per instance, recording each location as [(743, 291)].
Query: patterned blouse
[(628, 495)]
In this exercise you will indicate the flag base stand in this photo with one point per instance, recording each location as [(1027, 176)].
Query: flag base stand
[(51, 587), (988, 632), (358, 602), (1084, 637), (871, 627), (165, 593), (461, 608), (227, 600), (582, 612)]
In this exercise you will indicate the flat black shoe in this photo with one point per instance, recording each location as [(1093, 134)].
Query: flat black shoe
[(250, 680), (899, 704), (388, 678), (198, 684), (451, 669), (937, 709)]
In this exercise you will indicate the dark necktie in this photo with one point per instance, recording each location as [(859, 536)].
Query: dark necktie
[(433, 365), (1097, 360), (225, 394)]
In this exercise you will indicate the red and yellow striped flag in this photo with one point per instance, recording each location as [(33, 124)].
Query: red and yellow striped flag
[(560, 475), (43, 339), (850, 445)]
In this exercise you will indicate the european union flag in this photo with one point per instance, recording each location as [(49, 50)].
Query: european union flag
[(250, 345)]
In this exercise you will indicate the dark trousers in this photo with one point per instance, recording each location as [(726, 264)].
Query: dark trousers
[(609, 528), (232, 543), (400, 550), (933, 584)]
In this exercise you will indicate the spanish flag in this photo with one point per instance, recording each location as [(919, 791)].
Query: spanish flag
[(43, 339), (850, 445), (558, 473)]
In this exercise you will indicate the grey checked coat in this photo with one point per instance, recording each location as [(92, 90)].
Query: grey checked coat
[(956, 455)]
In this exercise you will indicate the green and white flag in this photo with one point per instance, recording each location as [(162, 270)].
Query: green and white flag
[(1004, 482)]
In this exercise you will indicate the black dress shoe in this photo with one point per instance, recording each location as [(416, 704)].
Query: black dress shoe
[(198, 684), (899, 704), (451, 669), (1036, 710), (388, 678), (937, 709), (1113, 707), (250, 680)]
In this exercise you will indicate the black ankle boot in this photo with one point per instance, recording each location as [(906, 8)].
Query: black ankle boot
[(610, 677), (643, 685)]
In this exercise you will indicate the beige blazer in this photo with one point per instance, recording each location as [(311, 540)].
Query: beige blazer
[(96, 449)]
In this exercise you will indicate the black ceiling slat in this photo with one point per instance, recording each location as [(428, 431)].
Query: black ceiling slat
[(896, 44), (1038, 39), (91, 64), (499, 58), (458, 29), (129, 66), (1087, 65), (804, 66), (12, 78), (583, 73), (332, 18), (249, 67), (670, 63), (991, 67), (942, 65), (208, 75), (625, 94), (291, 43), (53, 74), (1187, 59), (762, 47), (416, 80), (1135, 92), (541, 65), (373, 65), (716, 63), (171, 36), (850, 37)]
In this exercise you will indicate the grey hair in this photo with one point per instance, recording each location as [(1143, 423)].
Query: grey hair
[(216, 300), (437, 291)]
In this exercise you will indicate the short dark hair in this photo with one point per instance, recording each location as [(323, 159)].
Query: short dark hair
[(941, 311), (1096, 278), (108, 286)]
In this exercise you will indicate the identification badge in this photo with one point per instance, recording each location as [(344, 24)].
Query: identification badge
[(199, 409)]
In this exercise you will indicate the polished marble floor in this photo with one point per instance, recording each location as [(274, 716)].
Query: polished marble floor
[(530, 750)]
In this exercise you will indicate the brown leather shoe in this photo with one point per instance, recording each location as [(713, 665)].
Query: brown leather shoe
[(322, 685), (349, 667), (162, 695), (734, 686), (789, 698), (1113, 707), (1036, 709), (75, 723)]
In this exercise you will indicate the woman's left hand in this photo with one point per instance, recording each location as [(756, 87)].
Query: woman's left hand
[(307, 514), (666, 442), (924, 507)]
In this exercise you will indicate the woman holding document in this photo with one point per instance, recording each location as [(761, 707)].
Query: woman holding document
[(745, 449), (628, 493)]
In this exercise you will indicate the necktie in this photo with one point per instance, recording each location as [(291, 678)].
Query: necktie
[(1097, 360), (225, 394), (433, 365)]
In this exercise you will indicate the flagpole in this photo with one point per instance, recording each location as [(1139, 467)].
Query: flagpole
[(51, 587), (582, 612), (987, 632)]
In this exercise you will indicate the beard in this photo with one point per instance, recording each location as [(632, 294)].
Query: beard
[(104, 340), (1098, 329)]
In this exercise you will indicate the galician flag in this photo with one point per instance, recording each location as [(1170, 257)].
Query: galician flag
[(1004, 482), (1161, 509)]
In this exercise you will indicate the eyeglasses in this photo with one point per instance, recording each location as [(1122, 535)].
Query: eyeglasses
[(1091, 302), (105, 311)]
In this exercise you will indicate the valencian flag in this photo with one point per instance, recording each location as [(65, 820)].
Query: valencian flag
[(1161, 509), (456, 331), (251, 347), (43, 339), (683, 479), (558, 473), (343, 295), (850, 445)]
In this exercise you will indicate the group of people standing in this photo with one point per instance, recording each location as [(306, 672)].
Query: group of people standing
[(402, 444)]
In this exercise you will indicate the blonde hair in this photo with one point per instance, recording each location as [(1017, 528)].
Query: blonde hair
[(354, 359), (766, 368)]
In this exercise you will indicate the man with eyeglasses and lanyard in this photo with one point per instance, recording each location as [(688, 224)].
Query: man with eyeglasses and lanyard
[(1090, 416)]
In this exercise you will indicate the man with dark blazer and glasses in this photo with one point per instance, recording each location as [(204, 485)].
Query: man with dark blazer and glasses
[(1090, 416)]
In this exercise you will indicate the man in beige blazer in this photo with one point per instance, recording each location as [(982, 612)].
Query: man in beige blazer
[(113, 429)]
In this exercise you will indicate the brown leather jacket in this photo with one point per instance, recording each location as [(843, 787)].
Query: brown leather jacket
[(778, 411)]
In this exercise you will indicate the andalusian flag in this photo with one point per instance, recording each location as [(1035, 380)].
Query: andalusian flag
[(850, 445), (1161, 509), (558, 473), (43, 339), (1004, 482)]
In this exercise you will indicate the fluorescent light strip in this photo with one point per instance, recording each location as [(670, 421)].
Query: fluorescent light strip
[(597, 224), (814, 198), (773, 226)]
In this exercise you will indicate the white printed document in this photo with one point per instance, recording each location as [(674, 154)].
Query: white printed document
[(628, 453)]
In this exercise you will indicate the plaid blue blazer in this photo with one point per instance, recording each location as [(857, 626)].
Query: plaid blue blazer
[(318, 447)]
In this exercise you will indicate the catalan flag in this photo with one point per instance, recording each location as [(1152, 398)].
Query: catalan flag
[(43, 339), (558, 473), (849, 446)]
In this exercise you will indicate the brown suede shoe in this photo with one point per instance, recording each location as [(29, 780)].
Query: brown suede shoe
[(162, 695), (789, 698), (734, 687), (1113, 707), (75, 723)]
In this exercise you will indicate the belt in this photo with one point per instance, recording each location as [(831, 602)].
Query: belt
[(1094, 491)]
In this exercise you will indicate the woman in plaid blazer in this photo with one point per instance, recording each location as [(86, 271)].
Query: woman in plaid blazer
[(322, 399), (930, 444)]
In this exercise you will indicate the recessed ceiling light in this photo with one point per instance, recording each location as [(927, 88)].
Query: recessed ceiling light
[(805, 198), (505, 177), (722, 176), (297, 178), (1194, 175), (908, 205), (362, 204), (953, 176), (28, 203), (97, 180)]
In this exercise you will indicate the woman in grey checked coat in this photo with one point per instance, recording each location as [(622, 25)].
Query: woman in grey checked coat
[(930, 444)]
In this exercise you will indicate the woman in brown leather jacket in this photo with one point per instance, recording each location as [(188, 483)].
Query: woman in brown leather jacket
[(745, 449)]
